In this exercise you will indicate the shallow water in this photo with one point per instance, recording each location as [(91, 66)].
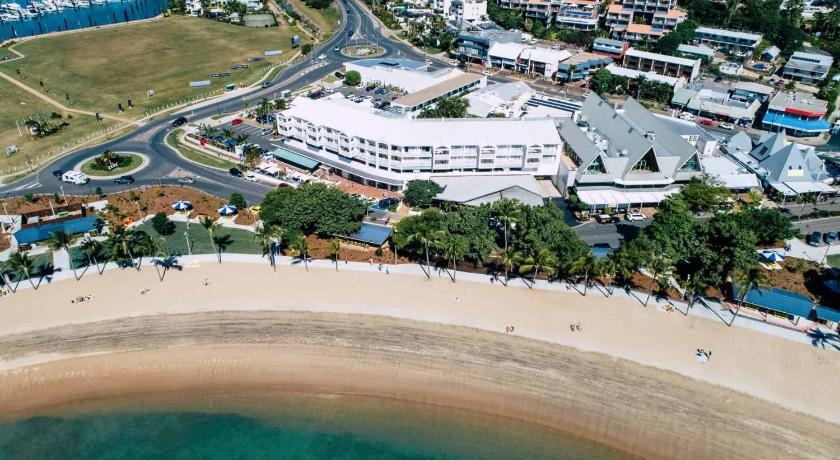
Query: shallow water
[(281, 426)]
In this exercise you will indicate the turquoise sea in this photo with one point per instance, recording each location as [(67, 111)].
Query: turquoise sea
[(281, 426)]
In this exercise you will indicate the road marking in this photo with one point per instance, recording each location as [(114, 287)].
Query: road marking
[(27, 186)]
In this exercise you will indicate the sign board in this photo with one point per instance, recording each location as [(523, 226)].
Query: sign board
[(256, 59), (199, 84), (150, 93), (239, 66), (220, 75), (11, 149), (273, 53)]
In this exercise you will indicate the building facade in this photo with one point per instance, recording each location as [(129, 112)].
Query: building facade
[(727, 40), (662, 64), (797, 114), (810, 67)]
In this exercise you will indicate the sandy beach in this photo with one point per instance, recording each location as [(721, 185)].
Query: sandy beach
[(629, 378)]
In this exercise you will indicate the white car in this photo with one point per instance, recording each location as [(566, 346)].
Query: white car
[(728, 126), (487, 73), (322, 57), (688, 116), (250, 177), (75, 177), (632, 216)]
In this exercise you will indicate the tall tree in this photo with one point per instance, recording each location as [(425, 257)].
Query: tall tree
[(268, 235), (508, 212), (453, 247), (541, 261), (61, 241), (427, 238), (335, 251), (661, 268), (301, 248), (20, 262), (584, 266), (747, 279)]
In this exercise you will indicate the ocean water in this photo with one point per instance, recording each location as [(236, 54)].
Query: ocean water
[(282, 426), (78, 18)]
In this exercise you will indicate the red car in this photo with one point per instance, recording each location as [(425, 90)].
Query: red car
[(707, 122), (236, 121)]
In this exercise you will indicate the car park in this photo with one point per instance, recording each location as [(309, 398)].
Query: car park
[(75, 177), (235, 172), (124, 180), (606, 219), (180, 121), (815, 238), (635, 216), (830, 237), (728, 126), (58, 173)]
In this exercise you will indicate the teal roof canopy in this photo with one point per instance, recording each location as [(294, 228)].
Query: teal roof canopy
[(295, 159)]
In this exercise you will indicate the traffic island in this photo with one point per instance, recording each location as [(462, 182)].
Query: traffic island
[(110, 164), (363, 51)]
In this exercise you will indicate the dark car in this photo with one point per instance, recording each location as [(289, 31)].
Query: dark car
[(388, 202), (607, 219), (235, 172), (815, 238), (266, 84), (830, 237), (180, 121), (58, 173), (124, 180), (338, 74)]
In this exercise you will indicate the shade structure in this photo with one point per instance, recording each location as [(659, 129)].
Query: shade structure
[(773, 256), (227, 210), (181, 205)]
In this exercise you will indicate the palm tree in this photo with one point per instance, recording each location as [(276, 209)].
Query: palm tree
[(91, 248), (510, 259), (267, 236), (661, 269), (211, 226), (222, 242), (454, 247), (693, 287), (542, 261), (608, 268), (427, 238), (748, 279), (301, 248), (61, 241), (21, 263), (584, 265), (121, 241), (335, 248), (508, 212)]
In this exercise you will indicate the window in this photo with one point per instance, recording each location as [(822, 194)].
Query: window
[(596, 167)]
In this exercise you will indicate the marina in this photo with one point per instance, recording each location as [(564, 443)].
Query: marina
[(24, 18)]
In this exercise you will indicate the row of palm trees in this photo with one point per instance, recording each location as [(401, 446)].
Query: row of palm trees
[(270, 237)]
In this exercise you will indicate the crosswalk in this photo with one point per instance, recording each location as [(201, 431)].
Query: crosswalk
[(27, 186)]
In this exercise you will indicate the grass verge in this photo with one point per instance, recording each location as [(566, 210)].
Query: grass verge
[(241, 241), (195, 155), (834, 260), (326, 19)]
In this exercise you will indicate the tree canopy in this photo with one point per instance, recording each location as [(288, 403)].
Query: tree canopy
[(421, 192), (447, 107), (313, 208), (352, 78)]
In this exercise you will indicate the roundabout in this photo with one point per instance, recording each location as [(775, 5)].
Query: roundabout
[(97, 167), (363, 51)]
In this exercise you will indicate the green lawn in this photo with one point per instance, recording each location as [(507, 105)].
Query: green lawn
[(17, 105), (834, 260), (195, 155), (134, 161), (102, 67), (326, 19), (176, 244), (4, 52)]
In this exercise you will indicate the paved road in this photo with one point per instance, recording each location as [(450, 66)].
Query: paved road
[(165, 163)]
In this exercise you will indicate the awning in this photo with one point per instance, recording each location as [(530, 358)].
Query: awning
[(614, 198), (797, 188), (828, 314), (71, 227), (295, 159), (778, 300)]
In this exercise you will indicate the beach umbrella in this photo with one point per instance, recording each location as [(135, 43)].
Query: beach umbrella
[(773, 256), (227, 210), (181, 205)]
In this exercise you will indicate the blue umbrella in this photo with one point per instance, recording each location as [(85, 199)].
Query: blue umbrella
[(773, 256), (227, 210), (182, 205)]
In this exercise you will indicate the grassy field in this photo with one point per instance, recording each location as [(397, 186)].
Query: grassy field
[(326, 19), (17, 105), (195, 155), (242, 241), (101, 68), (834, 260), (134, 161)]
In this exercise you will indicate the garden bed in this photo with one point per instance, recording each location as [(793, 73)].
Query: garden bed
[(129, 163)]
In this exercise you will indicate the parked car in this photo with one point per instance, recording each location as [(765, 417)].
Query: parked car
[(338, 74), (487, 73), (728, 126), (236, 121), (75, 177), (606, 219), (251, 177), (180, 121), (688, 116), (235, 172), (706, 122), (453, 62), (718, 79), (124, 180), (58, 173), (633, 216), (815, 238), (830, 237)]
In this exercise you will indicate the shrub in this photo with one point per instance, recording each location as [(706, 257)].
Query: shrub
[(352, 78), (162, 224)]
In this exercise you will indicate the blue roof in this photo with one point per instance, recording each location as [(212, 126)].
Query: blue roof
[(778, 300), (828, 314), (370, 234), (385, 62), (295, 158), (790, 121), (42, 232)]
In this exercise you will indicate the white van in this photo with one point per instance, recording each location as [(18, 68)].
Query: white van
[(75, 177)]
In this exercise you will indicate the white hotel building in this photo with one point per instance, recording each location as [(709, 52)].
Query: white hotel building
[(387, 150)]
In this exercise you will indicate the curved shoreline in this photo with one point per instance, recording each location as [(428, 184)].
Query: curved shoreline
[(637, 409)]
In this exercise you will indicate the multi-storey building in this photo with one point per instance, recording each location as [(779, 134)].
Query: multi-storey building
[(797, 114), (468, 10), (474, 46), (575, 14), (620, 19), (810, 66), (728, 40), (609, 47), (662, 64), (386, 150), (650, 7)]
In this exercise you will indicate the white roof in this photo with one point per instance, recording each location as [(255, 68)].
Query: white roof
[(728, 33), (615, 197), (545, 55), (463, 189), (635, 74), (661, 57), (729, 173), (368, 123), (702, 50), (508, 51)]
